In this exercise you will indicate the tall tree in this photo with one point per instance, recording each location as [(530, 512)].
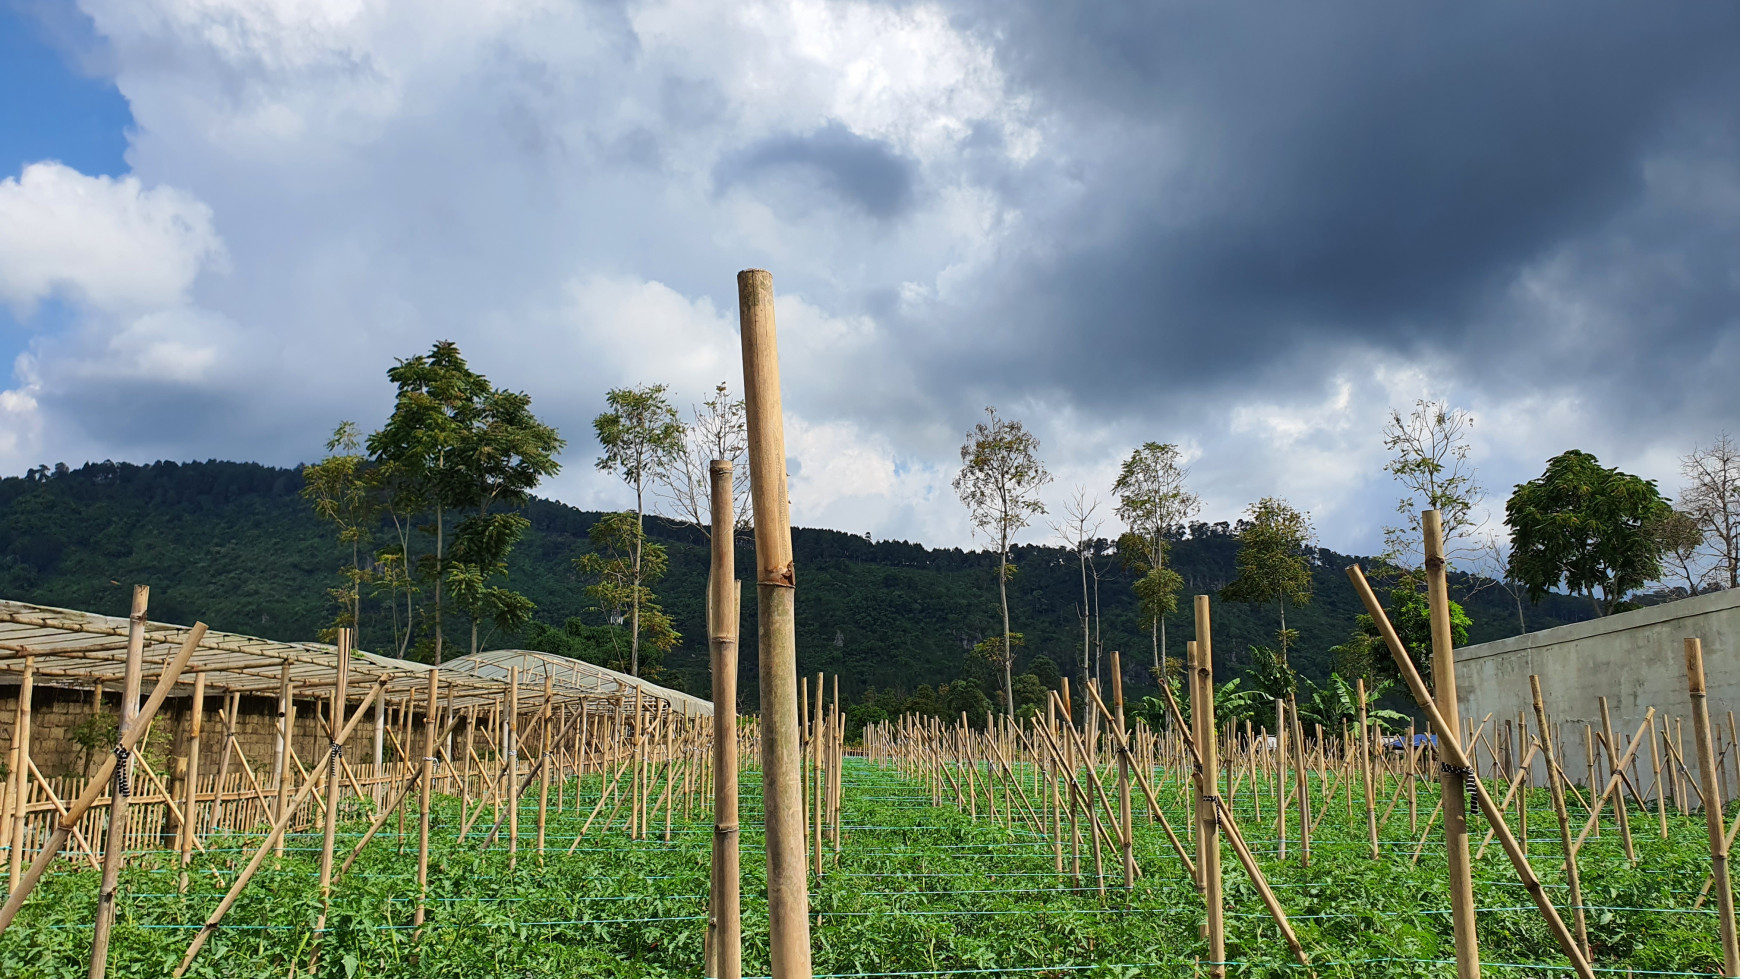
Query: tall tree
[(1079, 530), (1587, 528), (1712, 497), (640, 434), (720, 430), (342, 489), (418, 449), (504, 453), (626, 565), (1429, 458), (1154, 504), (1679, 537), (999, 482), (1276, 546)]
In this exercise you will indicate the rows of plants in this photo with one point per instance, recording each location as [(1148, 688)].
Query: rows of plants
[(914, 889)]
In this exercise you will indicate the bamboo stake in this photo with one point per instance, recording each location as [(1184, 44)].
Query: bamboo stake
[(1694, 650), (97, 783), (1655, 763), (1450, 780), (816, 794), (543, 752), (423, 790), (513, 764), (190, 807), (309, 783), (1365, 770), (390, 803), (1202, 652), (334, 788), (1448, 745), (115, 844), (1556, 785), (776, 580), (234, 703), (725, 924), (19, 760), (1126, 831), (1615, 778)]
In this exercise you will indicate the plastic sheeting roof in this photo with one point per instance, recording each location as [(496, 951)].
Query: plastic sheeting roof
[(78, 649)]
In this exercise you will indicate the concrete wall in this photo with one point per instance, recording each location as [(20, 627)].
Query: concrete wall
[(1634, 659)]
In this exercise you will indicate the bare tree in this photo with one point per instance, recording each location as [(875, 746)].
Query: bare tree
[(1712, 498), (1491, 563), (1078, 530), (720, 430), (1430, 459), (999, 482), (1154, 504)]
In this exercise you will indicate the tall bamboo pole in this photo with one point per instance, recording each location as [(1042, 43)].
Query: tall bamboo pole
[(1712, 807), (115, 845), (775, 585), (1620, 809), (1451, 782), (423, 798), (190, 803), (1365, 769), (513, 765), (1209, 745), (543, 756), (1556, 786), (725, 920), (1126, 837), (334, 787), (281, 746), (19, 761)]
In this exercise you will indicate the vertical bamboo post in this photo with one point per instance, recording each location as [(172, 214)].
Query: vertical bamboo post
[(334, 786), (1556, 786), (190, 801), (115, 844), (233, 709), (776, 581), (423, 789), (1619, 806), (1281, 778), (1365, 769), (818, 792), (512, 737), (1125, 830), (19, 763), (1203, 715), (1451, 782), (281, 749), (1712, 809), (725, 922), (544, 761)]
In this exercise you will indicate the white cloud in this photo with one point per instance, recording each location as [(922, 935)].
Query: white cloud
[(111, 244)]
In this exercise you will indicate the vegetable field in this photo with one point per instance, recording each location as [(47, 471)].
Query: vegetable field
[(915, 889)]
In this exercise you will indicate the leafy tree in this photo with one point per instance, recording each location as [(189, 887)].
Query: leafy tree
[(1712, 498), (1430, 459), (641, 435), (505, 452), (1365, 654), (999, 482), (1031, 694), (1045, 671), (417, 449), (344, 492), (1270, 679), (1154, 504), (1587, 528), (1680, 536), (626, 566), (1274, 560), (967, 697), (923, 702)]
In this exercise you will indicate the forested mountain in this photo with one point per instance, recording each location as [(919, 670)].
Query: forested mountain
[(235, 545)]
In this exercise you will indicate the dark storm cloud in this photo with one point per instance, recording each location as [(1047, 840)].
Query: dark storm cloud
[(864, 173), (1262, 183)]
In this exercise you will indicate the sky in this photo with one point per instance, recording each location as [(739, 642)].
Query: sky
[(1248, 228)]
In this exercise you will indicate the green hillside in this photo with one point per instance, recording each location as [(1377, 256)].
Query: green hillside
[(233, 544)]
